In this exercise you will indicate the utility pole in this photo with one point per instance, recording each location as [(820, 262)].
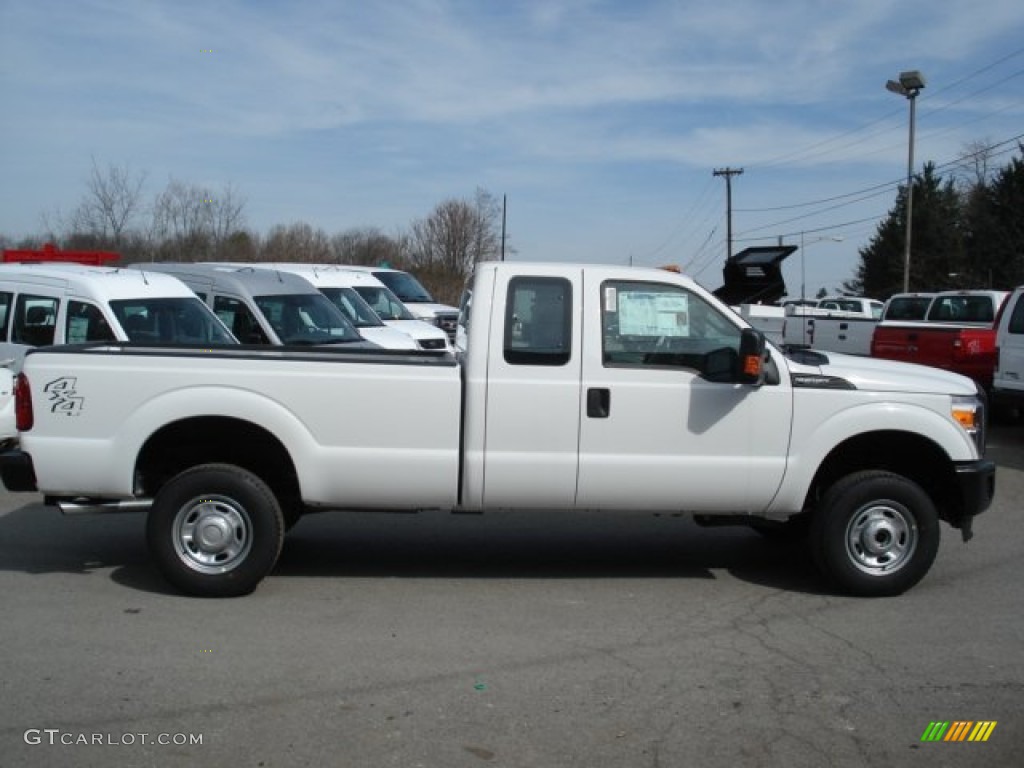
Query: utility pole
[(728, 173)]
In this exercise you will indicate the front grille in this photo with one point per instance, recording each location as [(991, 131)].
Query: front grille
[(448, 323)]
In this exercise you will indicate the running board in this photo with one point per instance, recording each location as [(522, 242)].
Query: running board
[(89, 507)]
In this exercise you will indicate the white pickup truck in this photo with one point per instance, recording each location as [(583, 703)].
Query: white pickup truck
[(835, 324), (582, 387)]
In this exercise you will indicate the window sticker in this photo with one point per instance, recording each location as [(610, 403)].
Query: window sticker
[(654, 314)]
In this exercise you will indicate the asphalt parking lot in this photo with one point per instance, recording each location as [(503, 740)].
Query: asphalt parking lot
[(533, 639)]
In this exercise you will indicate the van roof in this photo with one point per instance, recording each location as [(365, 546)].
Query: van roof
[(324, 275), (241, 279), (100, 283)]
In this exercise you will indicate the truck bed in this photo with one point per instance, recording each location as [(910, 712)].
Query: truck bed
[(338, 412)]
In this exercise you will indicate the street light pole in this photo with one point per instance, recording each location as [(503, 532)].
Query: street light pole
[(909, 85)]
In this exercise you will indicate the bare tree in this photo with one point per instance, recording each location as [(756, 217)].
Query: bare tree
[(193, 223), (369, 246), (226, 214), (456, 235), (113, 199), (181, 222), (296, 242)]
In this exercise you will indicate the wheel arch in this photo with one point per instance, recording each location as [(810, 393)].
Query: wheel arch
[(908, 454), (197, 440)]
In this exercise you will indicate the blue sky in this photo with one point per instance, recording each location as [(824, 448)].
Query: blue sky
[(601, 122)]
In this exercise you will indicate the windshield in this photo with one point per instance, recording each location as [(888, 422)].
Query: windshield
[(405, 286), (354, 307), (306, 318), (384, 302), (183, 320)]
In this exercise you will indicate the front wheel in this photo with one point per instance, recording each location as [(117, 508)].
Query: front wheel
[(875, 534), (215, 530)]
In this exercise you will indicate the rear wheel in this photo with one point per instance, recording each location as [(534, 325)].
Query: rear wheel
[(875, 534), (215, 530)]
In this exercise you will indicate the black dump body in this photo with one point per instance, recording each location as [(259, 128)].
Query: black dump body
[(754, 275)]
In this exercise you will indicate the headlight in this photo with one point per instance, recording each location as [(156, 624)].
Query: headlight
[(969, 413)]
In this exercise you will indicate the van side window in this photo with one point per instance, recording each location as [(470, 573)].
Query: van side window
[(1016, 324), (240, 319), (85, 322), (35, 320), (654, 324), (538, 321), (5, 312)]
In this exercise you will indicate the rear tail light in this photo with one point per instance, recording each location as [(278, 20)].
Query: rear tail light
[(23, 418)]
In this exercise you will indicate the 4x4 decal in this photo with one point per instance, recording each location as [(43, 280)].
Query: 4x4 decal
[(63, 396)]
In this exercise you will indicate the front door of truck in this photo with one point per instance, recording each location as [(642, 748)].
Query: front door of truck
[(655, 433)]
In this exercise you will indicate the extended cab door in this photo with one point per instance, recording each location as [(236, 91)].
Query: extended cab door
[(654, 432), (530, 391)]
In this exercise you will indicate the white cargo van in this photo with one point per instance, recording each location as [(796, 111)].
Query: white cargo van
[(342, 285), (336, 285), (263, 306), (46, 304), (392, 311), (43, 304), (416, 298)]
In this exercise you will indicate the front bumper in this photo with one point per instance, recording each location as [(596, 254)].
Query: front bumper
[(17, 471), (977, 483)]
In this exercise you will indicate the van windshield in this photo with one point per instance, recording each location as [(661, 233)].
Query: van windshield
[(384, 302), (354, 307), (178, 320), (406, 287), (306, 318)]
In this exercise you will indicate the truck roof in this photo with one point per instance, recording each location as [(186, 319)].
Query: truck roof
[(99, 283)]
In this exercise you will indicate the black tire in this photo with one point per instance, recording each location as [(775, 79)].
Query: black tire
[(875, 534), (215, 531)]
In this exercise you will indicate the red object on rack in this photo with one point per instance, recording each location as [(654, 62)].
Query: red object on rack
[(50, 252)]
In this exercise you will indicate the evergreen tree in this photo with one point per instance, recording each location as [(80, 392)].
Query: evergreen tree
[(937, 246)]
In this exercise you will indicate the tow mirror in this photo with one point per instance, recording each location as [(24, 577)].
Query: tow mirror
[(751, 357)]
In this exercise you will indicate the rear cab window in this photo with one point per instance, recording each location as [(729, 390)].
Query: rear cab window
[(538, 321)]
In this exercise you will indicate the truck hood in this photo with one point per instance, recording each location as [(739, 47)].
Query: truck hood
[(875, 375)]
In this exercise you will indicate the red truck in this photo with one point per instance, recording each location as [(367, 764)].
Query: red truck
[(957, 334)]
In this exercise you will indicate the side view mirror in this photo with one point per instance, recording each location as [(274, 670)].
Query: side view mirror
[(752, 348)]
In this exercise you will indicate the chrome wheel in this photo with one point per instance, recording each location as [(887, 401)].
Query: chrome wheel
[(881, 538), (212, 534)]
